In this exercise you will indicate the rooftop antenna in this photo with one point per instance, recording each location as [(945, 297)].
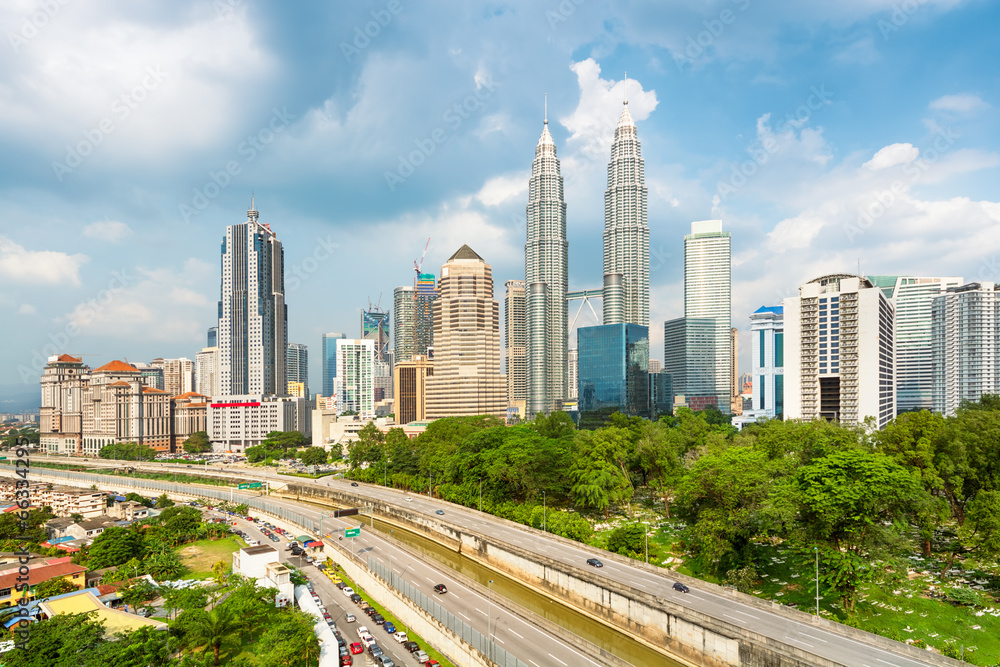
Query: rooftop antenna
[(625, 91), (546, 108)]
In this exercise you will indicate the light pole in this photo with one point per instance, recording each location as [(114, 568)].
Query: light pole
[(489, 620), (816, 549), (385, 472), (480, 494), (645, 535), (390, 561), (543, 510)]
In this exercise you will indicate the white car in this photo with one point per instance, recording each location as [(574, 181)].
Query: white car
[(348, 591), (408, 499), (421, 656), (401, 637), (363, 631), (368, 640)]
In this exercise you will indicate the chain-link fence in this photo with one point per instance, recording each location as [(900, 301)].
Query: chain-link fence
[(473, 637)]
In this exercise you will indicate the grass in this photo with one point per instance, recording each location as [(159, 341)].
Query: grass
[(389, 617), (199, 557)]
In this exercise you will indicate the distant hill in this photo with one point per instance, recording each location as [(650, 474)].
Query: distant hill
[(19, 397)]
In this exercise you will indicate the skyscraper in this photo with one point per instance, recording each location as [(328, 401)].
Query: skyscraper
[(735, 400), (545, 280), (206, 372), (404, 311), (614, 372), (253, 320), (516, 346), (297, 366), (626, 232), (426, 295), (767, 362), (212, 337), (355, 368), (329, 352), (467, 378), (966, 345), (375, 326)]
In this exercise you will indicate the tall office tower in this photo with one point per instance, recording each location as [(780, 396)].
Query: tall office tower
[(573, 373), (515, 346), (912, 300), (410, 389), (297, 368), (707, 311), (206, 372), (178, 375), (966, 347), (767, 347), (735, 400), (329, 351), (253, 321), (375, 326), (626, 232), (675, 353), (213, 337), (839, 347), (404, 311), (355, 376), (467, 378), (546, 280), (614, 372), (655, 366), (426, 295)]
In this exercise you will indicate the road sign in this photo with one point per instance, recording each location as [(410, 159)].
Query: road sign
[(352, 532), (250, 485), (3, 458)]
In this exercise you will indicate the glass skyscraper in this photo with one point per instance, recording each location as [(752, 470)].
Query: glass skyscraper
[(707, 311), (404, 310), (375, 326), (613, 372), (297, 365), (329, 361)]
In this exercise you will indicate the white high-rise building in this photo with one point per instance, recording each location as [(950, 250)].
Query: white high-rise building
[(574, 373), (297, 366), (839, 352), (206, 371), (516, 346), (626, 232), (178, 375), (253, 320), (355, 376), (767, 367), (404, 311), (546, 266), (966, 345)]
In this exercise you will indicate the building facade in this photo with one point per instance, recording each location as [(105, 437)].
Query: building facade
[(206, 371), (297, 367), (253, 320), (546, 267), (410, 389), (614, 372), (839, 347), (355, 376), (467, 378), (178, 375), (375, 327), (189, 415), (515, 347), (626, 231), (966, 345), (238, 422), (573, 373), (767, 364), (60, 421), (735, 400), (427, 293), (404, 311), (329, 351)]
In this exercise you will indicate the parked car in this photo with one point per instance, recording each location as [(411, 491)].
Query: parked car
[(386, 661), (346, 660), (401, 637), (351, 618), (362, 631), (440, 588), (594, 562), (348, 591), (389, 627), (678, 586), (357, 648), (375, 650), (411, 646), (378, 618), (421, 656)]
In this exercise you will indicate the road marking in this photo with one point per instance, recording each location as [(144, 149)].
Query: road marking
[(743, 613), (887, 662), (738, 620), (495, 638), (481, 611), (429, 579), (514, 633), (464, 616), (533, 662), (794, 639), (813, 637), (556, 659), (692, 595)]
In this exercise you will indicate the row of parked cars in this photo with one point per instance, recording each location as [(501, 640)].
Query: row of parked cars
[(368, 641)]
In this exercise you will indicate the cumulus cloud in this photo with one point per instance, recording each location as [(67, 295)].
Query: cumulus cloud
[(27, 309), (111, 231), (46, 267), (499, 189), (892, 155), (963, 103)]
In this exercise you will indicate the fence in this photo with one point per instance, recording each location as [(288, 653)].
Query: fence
[(470, 635)]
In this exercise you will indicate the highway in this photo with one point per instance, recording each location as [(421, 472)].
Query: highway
[(816, 640)]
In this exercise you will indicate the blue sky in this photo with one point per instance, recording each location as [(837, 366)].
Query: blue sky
[(824, 135)]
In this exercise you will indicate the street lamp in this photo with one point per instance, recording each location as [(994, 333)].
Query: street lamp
[(480, 494), (645, 535), (489, 619), (543, 510), (816, 549)]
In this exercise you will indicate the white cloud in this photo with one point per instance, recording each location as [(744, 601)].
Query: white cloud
[(861, 52), (499, 189), (27, 309), (892, 155), (46, 267), (963, 103), (111, 231)]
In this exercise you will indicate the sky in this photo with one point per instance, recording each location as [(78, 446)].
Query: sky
[(827, 137)]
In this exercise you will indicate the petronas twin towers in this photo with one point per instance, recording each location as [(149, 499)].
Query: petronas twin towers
[(546, 264)]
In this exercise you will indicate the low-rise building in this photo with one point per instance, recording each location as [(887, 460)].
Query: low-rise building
[(54, 568), (129, 511), (238, 422), (261, 564)]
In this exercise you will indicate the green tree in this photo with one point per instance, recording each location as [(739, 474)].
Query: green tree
[(136, 498), (214, 630), (129, 451), (138, 592), (285, 440), (599, 473), (115, 546), (53, 587), (289, 640), (368, 448), (164, 565), (979, 534), (162, 501), (65, 640), (197, 443), (628, 540), (314, 456)]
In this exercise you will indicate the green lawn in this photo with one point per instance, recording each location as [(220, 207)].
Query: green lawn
[(199, 557)]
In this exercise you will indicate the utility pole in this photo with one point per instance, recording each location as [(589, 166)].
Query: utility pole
[(816, 549), (645, 534), (489, 620), (543, 511)]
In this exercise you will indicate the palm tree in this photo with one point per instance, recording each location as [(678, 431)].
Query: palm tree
[(215, 629)]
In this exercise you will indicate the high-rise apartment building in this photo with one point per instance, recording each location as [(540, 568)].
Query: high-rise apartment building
[(297, 368), (626, 232), (467, 378), (516, 346), (573, 373), (329, 351), (545, 281), (410, 389), (60, 421), (355, 376), (655, 366), (178, 375), (404, 311), (912, 298), (735, 400), (375, 327), (206, 371), (426, 295), (253, 321), (838, 345), (767, 362), (966, 345), (614, 372)]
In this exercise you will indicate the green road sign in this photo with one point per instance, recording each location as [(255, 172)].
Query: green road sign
[(3, 458), (250, 485), (352, 532)]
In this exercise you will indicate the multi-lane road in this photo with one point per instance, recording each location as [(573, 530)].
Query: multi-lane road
[(811, 638)]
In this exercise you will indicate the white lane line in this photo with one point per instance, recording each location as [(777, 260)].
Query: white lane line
[(464, 616), (743, 613), (429, 579), (794, 639), (887, 662), (533, 662), (495, 638), (514, 633), (738, 620), (556, 659), (481, 611), (692, 595), (813, 637)]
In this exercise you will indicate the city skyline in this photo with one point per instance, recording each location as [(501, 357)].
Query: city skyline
[(758, 129)]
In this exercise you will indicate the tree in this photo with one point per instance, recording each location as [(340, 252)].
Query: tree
[(215, 630), (314, 456), (285, 440), (54, 587), (136, 498), (164, 565), (289, 640), (979, 535), (130, 451), (197, 443), (219, 571), (628, 540), (76, 517), (65, 640), (598, 472), (115, 546), (138, 592), (162, 502)]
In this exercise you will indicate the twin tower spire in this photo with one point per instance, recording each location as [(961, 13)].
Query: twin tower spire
[(546, 264)]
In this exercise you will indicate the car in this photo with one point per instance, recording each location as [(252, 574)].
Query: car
[(440, 588), (411, 646), (326, 615), (368, 639), (594, 562), (389, 627), (386, 661), (340, 584), (370, 611), (348, 591), (400, 637), (439, 511), (342, 647), (351, 618), (346, 660), (352, 483), (362, 631), (357, 648), (421, 656), (432, 663), (408, 499), (378, 618), (678, 586), (375, 650)]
